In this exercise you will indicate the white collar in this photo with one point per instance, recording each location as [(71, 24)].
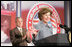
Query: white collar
[(19, 28)]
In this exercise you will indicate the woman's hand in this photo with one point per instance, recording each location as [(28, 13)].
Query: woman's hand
[(33, 30)]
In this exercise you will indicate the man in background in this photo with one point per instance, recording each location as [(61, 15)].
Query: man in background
[(19, 36)]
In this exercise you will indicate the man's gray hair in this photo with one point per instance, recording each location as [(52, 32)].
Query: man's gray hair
[(16, 19)]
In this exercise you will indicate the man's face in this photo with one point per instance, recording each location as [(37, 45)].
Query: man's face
[(19, 22)]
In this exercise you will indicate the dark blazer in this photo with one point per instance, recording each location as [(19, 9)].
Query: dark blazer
[(16, 37)]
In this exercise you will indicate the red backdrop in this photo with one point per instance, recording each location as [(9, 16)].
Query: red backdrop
[(24, 15)]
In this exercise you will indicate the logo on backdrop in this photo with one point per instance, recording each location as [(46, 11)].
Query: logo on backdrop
[(32, 17)]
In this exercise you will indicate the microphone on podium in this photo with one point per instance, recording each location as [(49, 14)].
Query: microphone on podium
[(65, 27)]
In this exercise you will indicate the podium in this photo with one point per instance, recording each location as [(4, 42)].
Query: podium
[(57, 39)]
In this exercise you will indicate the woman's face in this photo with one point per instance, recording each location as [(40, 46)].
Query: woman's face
[(46, 17)]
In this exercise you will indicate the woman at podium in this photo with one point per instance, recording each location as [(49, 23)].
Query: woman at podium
[(44, 29), (44, 26)]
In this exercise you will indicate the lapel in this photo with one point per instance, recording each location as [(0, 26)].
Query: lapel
[(17, 32), (23, 31)]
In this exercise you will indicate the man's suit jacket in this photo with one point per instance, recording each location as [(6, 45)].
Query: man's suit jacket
[(16, 37)]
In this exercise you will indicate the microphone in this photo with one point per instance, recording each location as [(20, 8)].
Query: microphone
[(65, 27)]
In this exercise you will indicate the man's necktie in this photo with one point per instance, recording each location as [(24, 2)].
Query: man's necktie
[(21, 31)]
